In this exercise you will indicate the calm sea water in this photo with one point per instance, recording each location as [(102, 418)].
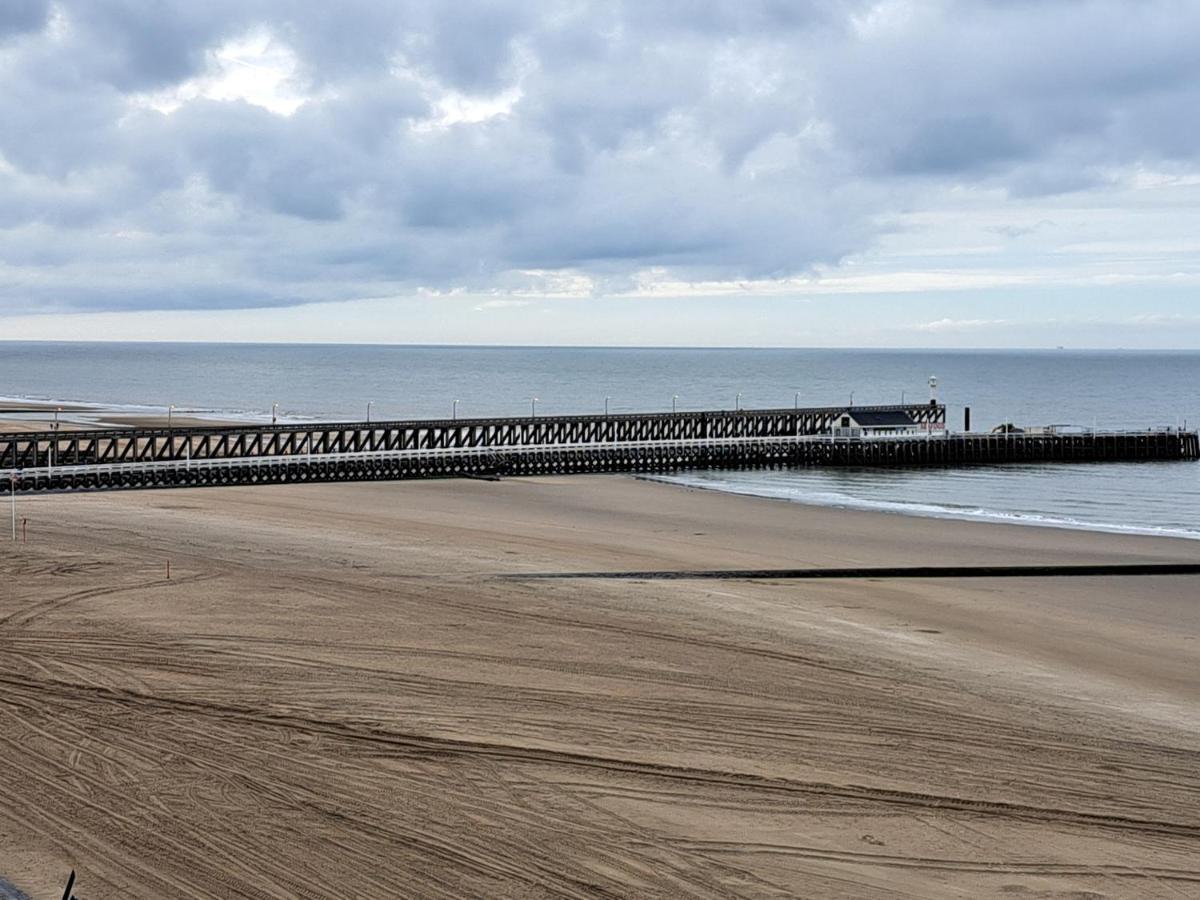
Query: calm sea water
[(1107, 389)]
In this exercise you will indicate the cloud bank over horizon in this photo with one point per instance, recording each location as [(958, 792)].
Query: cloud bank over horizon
[(261, 154)]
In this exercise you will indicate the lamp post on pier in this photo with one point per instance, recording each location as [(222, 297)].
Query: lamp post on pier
[(606, 399), (797, 407), (674, 402), (533, 407), (170, 412), (852, 399), (274, 413), (369, 402), (454, 411), (737, 402), (54, 440)]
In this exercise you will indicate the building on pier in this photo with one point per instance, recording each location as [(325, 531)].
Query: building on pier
[(860, 423)]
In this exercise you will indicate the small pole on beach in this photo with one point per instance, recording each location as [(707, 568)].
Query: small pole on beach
[(168, 570), (12, 493), (24, 530)]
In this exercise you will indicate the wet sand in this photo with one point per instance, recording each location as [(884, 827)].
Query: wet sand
[(335, 696)]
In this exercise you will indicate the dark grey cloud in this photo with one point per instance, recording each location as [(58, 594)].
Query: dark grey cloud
[(458, 145), (17, 16), (987, 88)]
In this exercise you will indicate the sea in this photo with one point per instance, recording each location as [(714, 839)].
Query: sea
[(1090, 389)]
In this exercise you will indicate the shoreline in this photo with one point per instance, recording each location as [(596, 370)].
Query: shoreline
[(942, 514), (78, 415), (100, 415)]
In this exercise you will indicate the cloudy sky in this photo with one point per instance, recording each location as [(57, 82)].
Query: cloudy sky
[(705, 172)]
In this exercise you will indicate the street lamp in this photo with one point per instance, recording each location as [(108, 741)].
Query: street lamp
[(606, 399), (737, 402), (454, 410), (674, 401), (797, 401), (852, 399), (369, 402), (533, 407), (274, 413), (170, 410)]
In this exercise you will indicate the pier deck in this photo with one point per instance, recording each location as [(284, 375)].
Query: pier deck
[(655, 442)]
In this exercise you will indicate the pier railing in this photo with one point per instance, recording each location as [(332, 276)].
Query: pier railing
[(96, 446)]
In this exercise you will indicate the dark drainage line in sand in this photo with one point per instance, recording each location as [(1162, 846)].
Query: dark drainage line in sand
[(1076, 571)]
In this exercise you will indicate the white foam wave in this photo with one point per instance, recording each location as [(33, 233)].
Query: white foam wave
[(924, 510)]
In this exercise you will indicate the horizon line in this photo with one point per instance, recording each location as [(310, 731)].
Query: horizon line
[(1060, 348)]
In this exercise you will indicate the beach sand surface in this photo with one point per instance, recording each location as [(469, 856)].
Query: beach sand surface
[(341, 691)]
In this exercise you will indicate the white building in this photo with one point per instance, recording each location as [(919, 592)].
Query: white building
[(865, 423)]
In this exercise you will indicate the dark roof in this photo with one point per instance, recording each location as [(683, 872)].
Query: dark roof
[(884, 418)]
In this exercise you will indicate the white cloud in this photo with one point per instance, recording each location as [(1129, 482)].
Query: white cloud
[(960, 325), (501, 304), (254, 67)]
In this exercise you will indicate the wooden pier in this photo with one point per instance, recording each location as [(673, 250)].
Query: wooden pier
[(653, 442)]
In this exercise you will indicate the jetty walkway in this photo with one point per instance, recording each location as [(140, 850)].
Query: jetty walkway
[(650, 442)]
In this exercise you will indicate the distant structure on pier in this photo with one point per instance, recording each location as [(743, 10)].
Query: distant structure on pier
[(862, 423)]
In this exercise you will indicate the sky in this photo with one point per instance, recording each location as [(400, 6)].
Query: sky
[(910, 173)]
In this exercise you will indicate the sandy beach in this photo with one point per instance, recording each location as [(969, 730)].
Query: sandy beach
[(39, 415), (342, 692)]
